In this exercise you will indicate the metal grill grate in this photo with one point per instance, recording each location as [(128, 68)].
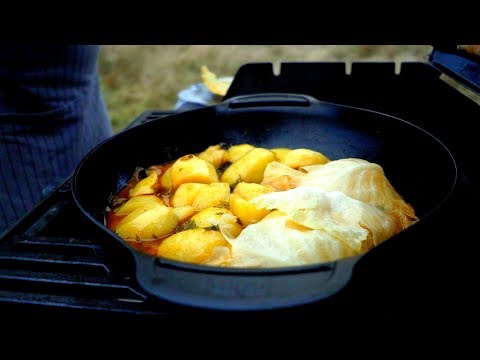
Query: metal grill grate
[(77, 268)]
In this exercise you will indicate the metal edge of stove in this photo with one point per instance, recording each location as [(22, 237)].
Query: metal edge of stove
[(459, 65)]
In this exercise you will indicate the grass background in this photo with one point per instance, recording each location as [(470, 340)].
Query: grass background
[(139, 77)]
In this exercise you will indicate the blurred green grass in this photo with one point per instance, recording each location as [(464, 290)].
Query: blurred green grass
[(139, 77)]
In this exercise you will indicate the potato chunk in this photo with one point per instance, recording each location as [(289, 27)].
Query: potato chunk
[(145, 186), (210, 218), (191, 169), (185, 194), (248, 168), (235, 152), (147, 223), (215, 194), (280, 153), (166, 180), (215, 155), (197, 246), (183, 212), (303, 157), (137, 202), (207, 217), (242, 208), (250, 190)]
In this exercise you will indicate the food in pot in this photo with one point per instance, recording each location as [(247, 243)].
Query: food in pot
[(247, 206)]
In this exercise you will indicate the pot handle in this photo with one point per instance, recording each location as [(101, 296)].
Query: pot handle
[(270, 99), (240, 289)]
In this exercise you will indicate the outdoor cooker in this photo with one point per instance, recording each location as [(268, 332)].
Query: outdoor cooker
[(417, 164)]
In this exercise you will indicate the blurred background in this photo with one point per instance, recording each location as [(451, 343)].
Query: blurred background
[(139, 77)]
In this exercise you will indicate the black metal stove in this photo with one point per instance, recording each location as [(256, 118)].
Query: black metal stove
[(55, 263)]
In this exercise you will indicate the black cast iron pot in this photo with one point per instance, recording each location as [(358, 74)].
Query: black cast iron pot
[(418, 165)]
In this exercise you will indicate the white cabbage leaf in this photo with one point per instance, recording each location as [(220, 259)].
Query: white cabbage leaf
[(357, 224), (361, 180), (273, 243), (281, 177)]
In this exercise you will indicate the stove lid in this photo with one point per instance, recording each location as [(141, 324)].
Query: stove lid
[(458, 64), (321, 79)]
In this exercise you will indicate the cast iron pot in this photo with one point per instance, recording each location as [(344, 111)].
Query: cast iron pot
[(418, 165)]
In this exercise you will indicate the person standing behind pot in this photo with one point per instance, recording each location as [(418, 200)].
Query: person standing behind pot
[(51, 114)]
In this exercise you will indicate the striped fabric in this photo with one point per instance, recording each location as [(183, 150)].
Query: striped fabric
[(51, 114)]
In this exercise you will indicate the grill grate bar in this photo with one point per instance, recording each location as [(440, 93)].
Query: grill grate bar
[(68, 287), (73, 247), (49, 276), (76, 302), (53, 263)]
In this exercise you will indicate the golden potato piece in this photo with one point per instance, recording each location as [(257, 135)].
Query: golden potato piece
[(215, 194), (246, 212), (194, 246), (145, 186), (192, 169), (250, 190), (215, 155), (147, 223), (280, 153), (137, 202), (185, 194), (242, 208), (204, 218), (235, 152), (183, 212), (248, 168), (210, 218), (303, 157), (166, 180)]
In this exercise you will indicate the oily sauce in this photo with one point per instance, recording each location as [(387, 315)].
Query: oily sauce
[(112, 219)]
